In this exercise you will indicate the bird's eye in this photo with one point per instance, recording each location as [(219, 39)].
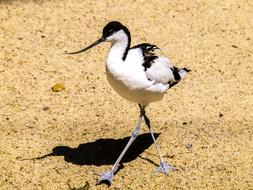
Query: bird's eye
[(111, 31)]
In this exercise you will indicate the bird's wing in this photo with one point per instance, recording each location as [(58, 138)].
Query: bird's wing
[(159, 69)]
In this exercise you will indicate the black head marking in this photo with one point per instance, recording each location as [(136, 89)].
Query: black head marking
[(113, 27)]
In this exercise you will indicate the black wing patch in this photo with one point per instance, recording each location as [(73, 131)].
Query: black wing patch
[(148, 54), (176, 74), (148, 61), (177, 77), (146, 48)]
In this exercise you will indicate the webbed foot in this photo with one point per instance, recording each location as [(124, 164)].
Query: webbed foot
[(106, 177), (165, 168)]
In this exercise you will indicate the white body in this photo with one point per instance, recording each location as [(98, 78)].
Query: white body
[(129, 79)]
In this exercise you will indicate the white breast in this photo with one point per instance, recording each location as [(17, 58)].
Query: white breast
[(129, 72), (129, 79)]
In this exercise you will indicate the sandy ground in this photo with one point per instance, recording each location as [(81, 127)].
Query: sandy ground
[(203, 125)]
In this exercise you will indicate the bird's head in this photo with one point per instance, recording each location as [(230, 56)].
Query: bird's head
[(114, 31)]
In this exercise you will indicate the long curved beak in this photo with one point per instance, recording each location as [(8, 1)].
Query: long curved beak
[(102, 39)]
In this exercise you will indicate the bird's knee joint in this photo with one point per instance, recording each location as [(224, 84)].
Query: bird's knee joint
[(142, 112)]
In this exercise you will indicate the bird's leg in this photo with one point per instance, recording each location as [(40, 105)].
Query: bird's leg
[(164, 167), (108, 176)]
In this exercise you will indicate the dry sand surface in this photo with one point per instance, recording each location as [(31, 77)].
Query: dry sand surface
[(203, 125)]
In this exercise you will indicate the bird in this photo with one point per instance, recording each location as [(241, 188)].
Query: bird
[(139, 75)]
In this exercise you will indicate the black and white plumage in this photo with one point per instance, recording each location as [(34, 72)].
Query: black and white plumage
[(139, 75), (153, 65)]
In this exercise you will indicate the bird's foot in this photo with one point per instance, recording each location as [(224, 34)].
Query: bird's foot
[(165, 168), (106, 177)]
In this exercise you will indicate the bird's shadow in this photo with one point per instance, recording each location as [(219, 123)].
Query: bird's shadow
[(103, 151)]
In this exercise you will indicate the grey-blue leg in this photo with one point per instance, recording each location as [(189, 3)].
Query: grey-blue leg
[(164, 167), (108, 176)]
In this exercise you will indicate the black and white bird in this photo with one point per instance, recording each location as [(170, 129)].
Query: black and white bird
[(138, 75)]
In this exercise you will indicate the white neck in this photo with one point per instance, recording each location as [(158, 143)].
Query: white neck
[(118, 48)]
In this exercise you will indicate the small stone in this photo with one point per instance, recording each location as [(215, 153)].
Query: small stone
[(188, 146), (85, 187), (170, 156), (45, 108), (58, 87)]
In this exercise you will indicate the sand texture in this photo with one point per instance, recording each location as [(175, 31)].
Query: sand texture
[(203, 125)]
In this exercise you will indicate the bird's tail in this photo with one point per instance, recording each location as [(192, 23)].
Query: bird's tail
[(178, 75), (183, 72)]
